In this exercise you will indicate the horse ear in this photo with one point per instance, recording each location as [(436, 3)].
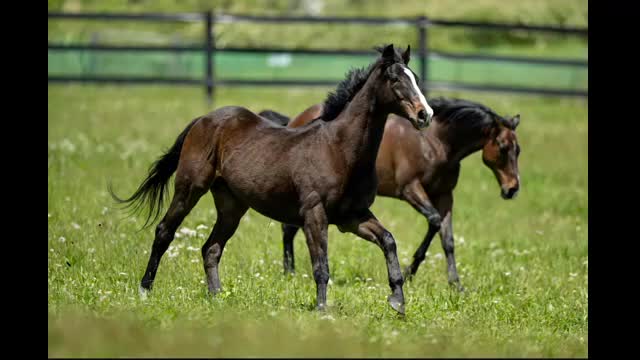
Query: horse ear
[(388, 51), (406, 55), (515, 121)]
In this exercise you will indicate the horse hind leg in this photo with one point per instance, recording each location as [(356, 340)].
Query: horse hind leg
[(186, 196), (288, 234), (230, 210)]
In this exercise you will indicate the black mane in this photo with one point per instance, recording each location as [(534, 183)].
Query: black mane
[(354, 80), (463, 112)]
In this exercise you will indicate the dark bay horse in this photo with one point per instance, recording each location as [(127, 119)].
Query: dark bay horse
[(309, 177), (422, 167)]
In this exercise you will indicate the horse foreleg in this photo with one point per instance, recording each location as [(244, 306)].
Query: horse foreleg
[(315, 231), (445, 206), (416, 196), (369, 228)]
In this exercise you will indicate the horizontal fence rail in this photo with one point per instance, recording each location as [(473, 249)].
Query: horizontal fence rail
[(209, 50)]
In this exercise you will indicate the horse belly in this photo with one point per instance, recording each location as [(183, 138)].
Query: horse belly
[(269, 193)]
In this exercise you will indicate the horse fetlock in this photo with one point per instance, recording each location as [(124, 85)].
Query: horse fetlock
[(407, 274)]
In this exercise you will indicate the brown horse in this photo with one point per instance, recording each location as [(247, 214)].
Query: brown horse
[(309, 177), (422, 167)]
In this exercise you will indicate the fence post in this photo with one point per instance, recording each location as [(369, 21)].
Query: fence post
[(209, 48), (422, 38)]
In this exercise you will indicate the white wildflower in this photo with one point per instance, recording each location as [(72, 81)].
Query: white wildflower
[(75, 226), (67, 145), (327, 317), (62, 239), (188, 232)]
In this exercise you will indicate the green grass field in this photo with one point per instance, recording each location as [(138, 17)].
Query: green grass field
[(524, 262)]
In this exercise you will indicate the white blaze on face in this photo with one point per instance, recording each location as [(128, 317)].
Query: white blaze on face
[(428, 108)]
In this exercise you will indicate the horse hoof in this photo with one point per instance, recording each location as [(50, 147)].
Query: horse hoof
[(321, 307), (396, 304), (407, 274), (213, 292), (457, 286), (144, 293)]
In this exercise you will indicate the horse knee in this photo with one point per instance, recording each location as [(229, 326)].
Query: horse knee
[(214, 250), (435, 220)]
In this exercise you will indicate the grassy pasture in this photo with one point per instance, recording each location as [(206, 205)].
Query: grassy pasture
[(524, 261)]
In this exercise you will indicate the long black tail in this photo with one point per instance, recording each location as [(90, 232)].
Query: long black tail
[(153, 189), (275, 117)]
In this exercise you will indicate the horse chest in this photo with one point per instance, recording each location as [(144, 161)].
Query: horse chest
[(441, 179), (359, 196)]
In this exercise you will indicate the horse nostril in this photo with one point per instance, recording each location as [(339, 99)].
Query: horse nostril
[(422, 115), (509, 193)]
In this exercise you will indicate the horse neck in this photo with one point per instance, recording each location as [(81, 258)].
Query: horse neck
[(458, 142), (359, 128)]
